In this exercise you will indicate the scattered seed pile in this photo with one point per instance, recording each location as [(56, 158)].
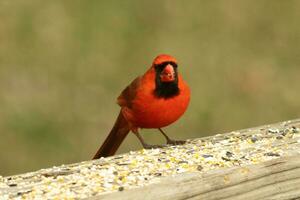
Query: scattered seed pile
[(144, 167)]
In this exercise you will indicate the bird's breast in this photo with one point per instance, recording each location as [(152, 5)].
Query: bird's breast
[(150, 111)]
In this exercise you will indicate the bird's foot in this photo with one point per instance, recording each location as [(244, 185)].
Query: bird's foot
[(155, 146), (176, 142)]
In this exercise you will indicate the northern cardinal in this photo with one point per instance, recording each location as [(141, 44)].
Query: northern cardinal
[(154, 100)]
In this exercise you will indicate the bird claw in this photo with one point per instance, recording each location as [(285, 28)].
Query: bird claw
[(150, 146), (176, 142)]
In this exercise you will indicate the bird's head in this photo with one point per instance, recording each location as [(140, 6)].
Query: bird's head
[(166, 68), (166, 76)]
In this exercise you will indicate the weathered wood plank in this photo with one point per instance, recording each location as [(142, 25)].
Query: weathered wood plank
[(275, 179), (256, 163)]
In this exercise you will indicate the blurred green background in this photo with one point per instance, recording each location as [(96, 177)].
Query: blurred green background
[(63, 63)]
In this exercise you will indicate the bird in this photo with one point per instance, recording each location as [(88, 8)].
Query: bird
[(151, 101)]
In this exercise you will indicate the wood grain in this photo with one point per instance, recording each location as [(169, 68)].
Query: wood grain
[(275, 179)]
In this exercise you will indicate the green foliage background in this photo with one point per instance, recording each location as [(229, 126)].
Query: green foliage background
[(63, 63)]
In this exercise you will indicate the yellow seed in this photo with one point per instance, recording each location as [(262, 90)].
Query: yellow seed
[(226, 179)]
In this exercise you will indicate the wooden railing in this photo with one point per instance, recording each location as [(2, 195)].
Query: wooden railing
[(256, 163)]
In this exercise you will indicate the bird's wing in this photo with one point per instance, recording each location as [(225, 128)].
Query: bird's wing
[(129, 93)]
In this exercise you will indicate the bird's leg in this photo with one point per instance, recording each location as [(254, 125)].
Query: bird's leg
[(145, 145), (170, 141)]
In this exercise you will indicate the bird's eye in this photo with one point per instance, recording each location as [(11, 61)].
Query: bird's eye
[(171, 63), (174, 65), (160, 67)]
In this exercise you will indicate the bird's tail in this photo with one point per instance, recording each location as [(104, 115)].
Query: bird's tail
[(114, 139)]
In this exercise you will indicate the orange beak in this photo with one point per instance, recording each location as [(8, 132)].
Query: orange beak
[(168, 74)]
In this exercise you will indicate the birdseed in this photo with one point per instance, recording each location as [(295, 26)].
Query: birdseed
[(144, 167)]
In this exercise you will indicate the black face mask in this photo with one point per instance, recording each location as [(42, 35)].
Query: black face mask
[(165, 89)]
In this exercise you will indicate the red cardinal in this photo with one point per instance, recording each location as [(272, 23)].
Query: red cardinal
[(154, 100)]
